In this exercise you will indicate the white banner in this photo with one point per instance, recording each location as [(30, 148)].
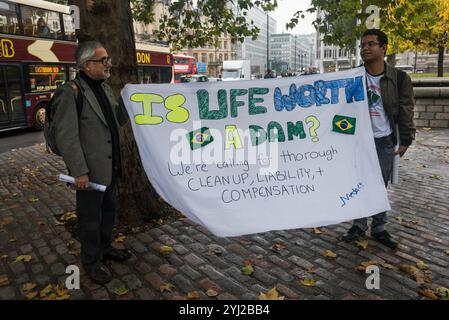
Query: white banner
[(245, 157)]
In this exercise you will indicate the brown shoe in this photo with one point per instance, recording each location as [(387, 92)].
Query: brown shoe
[(100, 275)]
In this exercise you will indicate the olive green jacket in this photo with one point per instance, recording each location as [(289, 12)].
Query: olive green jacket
[(399, 103)]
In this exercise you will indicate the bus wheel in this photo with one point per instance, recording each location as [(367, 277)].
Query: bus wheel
[(39, 117)]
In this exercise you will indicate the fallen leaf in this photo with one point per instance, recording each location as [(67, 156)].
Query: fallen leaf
[(28, 286), (248, 270), (61, 291), (426, 129), (165, 250), (415, 273), (248, 262), (4, 281), (68, 216), (363, 265), (4, 256), (387, 266), (422, 266), (32, 295), (166, 287), (311, 270), (329, 254), (442, 292), (6, 221), (447, 252), (42, 222), (317, 231), (120, 238), (211, 293), (34, 199), (24, 258), (13, 240), (64, 297), (135, 230), (121, 291), (278, 247), (399, 219), (436, 177), (44, 292), (194, 295), (308, 282), (272, 294), (428, 293), (362, 244)]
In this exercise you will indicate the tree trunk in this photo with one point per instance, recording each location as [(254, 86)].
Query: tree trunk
[(110, 22), (440, 61)]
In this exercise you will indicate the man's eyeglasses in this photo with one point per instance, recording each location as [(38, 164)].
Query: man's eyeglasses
[(370, 44), (105, 60)]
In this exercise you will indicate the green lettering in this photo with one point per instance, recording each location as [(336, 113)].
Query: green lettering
[(203, 105), (253, 109), (258, 135), (295, 130), (234, 103), (280, 136)]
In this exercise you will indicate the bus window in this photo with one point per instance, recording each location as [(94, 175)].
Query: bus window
[(41, 23), (72, 73), (9, 22), (15, 94), (43, 78), (154, 74), (69, 27)]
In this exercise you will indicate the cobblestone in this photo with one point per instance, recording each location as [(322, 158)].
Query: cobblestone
[(202, 261)]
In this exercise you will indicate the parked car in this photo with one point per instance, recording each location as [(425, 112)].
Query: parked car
[(195, 78)]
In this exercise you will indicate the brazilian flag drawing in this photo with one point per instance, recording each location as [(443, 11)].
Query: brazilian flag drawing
[(343, 124), (199, 138)]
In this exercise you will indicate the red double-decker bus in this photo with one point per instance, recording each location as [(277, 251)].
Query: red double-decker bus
[(37, 54), (155, 64), (37, 46), (182, 66)]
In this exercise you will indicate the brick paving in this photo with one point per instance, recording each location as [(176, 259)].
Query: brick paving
[(31, 200)]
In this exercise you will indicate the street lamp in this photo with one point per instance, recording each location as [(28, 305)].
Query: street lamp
[(268, 42)]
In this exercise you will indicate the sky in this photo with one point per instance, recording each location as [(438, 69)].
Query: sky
[(285, 11)]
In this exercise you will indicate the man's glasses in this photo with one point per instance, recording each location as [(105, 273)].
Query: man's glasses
[(369, 44), (105, 60)]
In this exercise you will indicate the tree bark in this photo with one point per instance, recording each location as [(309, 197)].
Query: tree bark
[(110, 22), (440, 61)]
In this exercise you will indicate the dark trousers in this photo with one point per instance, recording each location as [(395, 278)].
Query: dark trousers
[(96, 214), (385, 152)]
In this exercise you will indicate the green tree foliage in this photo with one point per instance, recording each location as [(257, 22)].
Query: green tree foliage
[(422, 23), (187, 25)]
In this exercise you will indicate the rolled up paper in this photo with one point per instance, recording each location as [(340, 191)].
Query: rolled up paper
[(93, 186)]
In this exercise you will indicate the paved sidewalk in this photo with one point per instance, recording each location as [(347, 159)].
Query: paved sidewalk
[(30, 198)]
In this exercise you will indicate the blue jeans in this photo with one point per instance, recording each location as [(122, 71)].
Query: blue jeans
[(385, 152)]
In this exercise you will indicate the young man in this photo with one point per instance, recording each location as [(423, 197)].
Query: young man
[(89, 144), (391, 104)]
